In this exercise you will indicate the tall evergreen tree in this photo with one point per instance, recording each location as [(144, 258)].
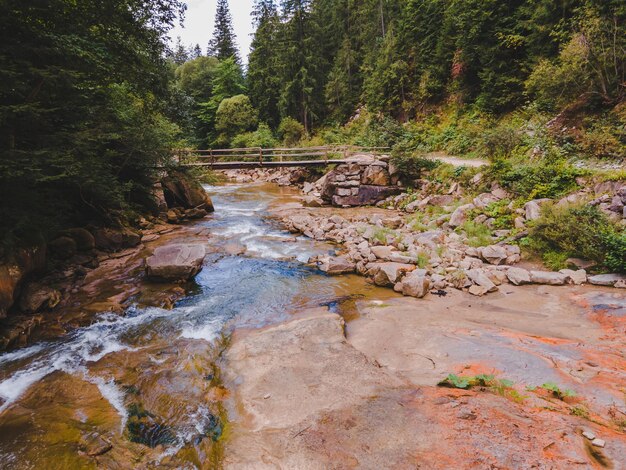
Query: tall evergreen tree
[(263, 62), (223, 45)]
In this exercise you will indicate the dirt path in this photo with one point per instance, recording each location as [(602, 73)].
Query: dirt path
[(456, 161)]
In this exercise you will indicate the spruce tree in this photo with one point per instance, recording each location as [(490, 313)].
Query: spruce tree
[(223, 45), (263, 81)]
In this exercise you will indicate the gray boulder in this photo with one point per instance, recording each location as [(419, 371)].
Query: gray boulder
[(335, 265), (548, 277), (415, 284), (518, 276), (175, 262), (610, 280)]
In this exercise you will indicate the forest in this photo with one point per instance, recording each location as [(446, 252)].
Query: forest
[(94, 97)]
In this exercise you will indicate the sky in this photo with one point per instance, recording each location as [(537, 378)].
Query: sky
[(199, 21)]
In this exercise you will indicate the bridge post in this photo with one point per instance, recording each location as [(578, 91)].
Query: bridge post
[(260, 156)]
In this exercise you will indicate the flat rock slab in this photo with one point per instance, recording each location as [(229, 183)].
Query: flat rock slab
[(175, 262)]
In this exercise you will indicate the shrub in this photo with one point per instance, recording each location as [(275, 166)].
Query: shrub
[(580, 231), (234, 116), (262, 137), (411, 167), (291, 131)]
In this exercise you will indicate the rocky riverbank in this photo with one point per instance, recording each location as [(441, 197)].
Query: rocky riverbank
[(434, 238), (69, 277)]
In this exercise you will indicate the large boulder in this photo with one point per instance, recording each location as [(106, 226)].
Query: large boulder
[(494, 254), (22, 263), (82, 237), (175, 262), (388, 274), (518, 276), (335, 265), (113, 239), (415, 284), (375, 175), (480, 278), (180, 190), (62, 247), (366, 195), (548, 277), (459, 216), (36, 297), (609, 280)]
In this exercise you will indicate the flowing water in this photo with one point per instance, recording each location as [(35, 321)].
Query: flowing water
[(146, 381)]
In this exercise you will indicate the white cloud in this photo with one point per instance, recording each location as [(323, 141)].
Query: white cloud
[(199, 21)]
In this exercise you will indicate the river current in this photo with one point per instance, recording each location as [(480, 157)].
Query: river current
[(55, 395)]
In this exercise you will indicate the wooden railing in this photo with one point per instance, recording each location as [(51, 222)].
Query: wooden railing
[(256, 156)]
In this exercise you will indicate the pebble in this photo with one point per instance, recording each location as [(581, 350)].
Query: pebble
[(598, 442), (589, 435), (265, 397)]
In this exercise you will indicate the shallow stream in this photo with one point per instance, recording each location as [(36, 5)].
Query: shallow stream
[(146, 381)]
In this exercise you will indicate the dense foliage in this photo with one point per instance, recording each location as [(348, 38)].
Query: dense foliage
[(328, 57), (83, 108)]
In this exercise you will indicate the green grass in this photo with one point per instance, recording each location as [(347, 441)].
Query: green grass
[(477, 234), (502, 387)]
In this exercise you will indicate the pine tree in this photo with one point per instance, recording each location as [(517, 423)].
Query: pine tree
[(196, 52), (223, 45), (263, 81), (180, 55)]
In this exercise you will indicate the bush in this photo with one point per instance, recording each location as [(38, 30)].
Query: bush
[(234, 116), (291, 131), (579, 231), (262, 137), (410, 167)]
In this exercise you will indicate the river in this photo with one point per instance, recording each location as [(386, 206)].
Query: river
[(148, 381)]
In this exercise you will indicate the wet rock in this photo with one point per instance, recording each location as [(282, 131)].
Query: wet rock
[(548, 277), (23, 262), (62, 247), (575, 277), (494, 254), (94, 445), (175, 262), (367, 195), (415, 284), (82, 237), (611, 280), (145, 428), (113, 239), (195, 213), (180, 190), (312, 201), (518, 276), (36, 297), (335, 265)]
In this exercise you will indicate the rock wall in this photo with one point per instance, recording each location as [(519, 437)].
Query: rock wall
[(362, 182)]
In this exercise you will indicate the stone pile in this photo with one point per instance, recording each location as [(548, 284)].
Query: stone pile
[(392, 253), (363, 181)]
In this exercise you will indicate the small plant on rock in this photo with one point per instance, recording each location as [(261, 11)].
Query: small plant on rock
[(557, 392)]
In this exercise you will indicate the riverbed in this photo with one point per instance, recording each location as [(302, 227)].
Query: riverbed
[(160, 363), (265, 362)]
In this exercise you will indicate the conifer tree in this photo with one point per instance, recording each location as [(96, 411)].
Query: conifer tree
[(263, 62), (223, 45)]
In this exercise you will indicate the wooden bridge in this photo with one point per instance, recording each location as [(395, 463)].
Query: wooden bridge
[(256, 157)]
